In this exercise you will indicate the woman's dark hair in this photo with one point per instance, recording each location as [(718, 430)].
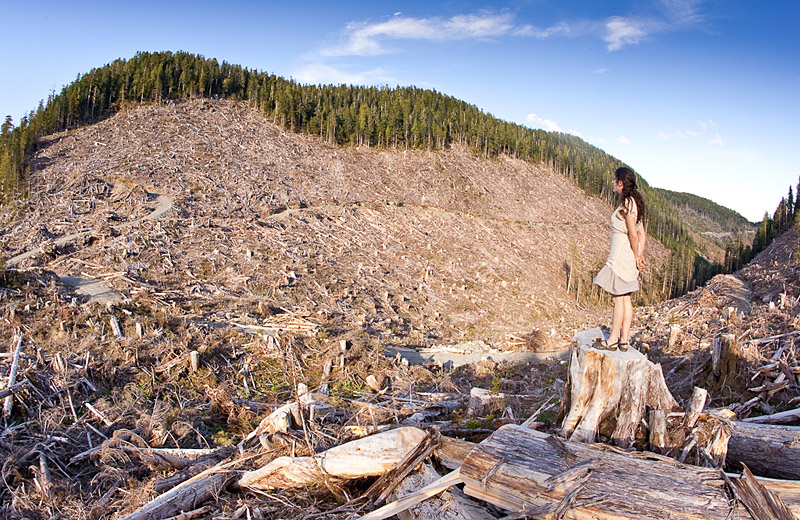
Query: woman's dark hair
[(629, 189)]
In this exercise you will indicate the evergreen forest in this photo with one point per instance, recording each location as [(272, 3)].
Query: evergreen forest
[(399, 117)]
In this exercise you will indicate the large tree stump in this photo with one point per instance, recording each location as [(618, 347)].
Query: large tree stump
[(607, 393)]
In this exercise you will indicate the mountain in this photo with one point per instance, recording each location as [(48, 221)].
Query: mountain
[(406, 118), (416, 246), (717, 226)]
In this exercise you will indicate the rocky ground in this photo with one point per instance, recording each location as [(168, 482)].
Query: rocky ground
[(282, 262)]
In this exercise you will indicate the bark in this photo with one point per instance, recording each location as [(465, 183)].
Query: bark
[(607, 393), (768, 450), (518, 469)]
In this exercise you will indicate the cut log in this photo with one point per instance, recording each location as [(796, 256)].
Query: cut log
[(768, 450), (451, 451), (517, 469), (365, 457), (607, 393)]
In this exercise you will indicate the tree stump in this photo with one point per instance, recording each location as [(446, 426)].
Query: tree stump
[(725, 355), (607, 393)]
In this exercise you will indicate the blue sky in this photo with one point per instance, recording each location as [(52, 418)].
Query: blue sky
[(697, 96)]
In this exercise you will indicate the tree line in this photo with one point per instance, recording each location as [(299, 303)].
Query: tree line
[(400, 117), (783, 218)]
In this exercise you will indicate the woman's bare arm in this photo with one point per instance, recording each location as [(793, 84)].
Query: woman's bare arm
[(641, 235)]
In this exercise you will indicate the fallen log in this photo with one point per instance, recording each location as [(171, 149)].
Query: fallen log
[(8, 404), (786, 417), (187, 496), (768, 450), (365, 457), (518, 469), (607, 393)]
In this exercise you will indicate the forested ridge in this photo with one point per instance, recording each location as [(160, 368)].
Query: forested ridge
[(406, 117), (728, 219)]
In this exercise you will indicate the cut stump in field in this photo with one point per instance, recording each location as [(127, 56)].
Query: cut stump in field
[(607, 393)]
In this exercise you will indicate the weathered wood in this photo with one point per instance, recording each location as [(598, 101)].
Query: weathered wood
[(725, 355), (607, 393), (451, 451), (387, 483), (674, 330), (788, 417), (658, 431), (12, 376), (451, 504), (402, 504), (768, 450), (368, 456), (185, 497), (517, 469), (760, 502), (481, 400), (115, 327), (194, 360), (696, 405)]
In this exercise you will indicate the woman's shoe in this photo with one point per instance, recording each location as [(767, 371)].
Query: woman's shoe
[(623, 346), (603, 345)]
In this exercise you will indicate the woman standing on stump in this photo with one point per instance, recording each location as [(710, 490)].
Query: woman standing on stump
[(619, 277)]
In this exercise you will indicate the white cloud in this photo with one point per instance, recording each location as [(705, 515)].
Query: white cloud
[(672, 135), (621, 31), (623, 141), (561, 29), (319, 73), (624, 31), (705, 125), (601, 71), (546, 124), (682, 11), (535, 121), (366, 39), (684, 134), (717, 141)]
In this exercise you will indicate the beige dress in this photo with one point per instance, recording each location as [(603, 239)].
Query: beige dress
[(620, 276)]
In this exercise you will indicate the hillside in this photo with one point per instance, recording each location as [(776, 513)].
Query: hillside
[(402, 118), (717, 226), (418, 247)]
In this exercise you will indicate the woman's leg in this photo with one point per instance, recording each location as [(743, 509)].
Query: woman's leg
[(627, 318), (617, 318)]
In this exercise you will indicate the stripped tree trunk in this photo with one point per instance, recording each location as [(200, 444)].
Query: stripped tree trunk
[(608, 392)]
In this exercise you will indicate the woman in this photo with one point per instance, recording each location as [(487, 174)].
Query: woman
[(620, 274)]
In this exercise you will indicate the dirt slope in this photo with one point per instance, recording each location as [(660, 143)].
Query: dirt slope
[(409, 246)]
